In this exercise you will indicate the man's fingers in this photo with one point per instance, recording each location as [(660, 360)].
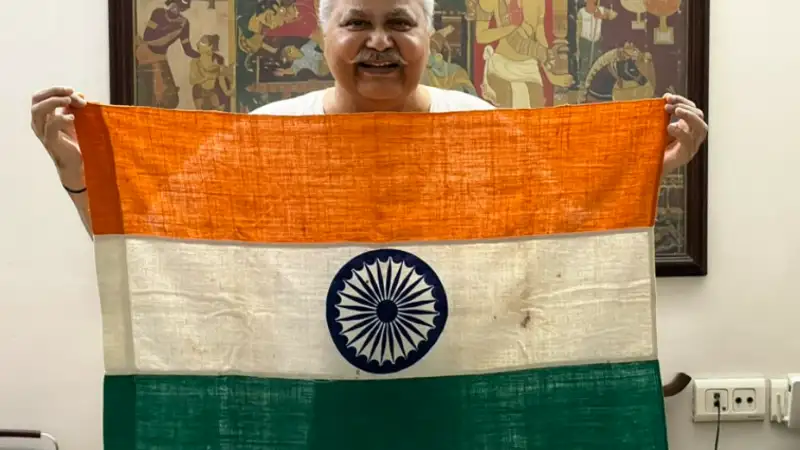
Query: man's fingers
[(77, 103), (673, 99), (57, 124), (680, 131), (58, 91), (49, 105), (689, 131), (77, 100), (40, 111), (672, 108), (693, 117)]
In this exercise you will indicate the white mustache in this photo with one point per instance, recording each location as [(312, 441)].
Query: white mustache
[(390, 56)]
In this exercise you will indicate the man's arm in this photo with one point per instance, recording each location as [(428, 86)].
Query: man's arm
[(80, 200)]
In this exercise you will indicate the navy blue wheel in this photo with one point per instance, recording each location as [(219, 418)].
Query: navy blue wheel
[(386, 309)]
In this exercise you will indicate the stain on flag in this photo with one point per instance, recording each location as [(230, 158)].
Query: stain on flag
[(460, 281)]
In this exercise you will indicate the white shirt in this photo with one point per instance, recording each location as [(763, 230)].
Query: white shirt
[(310, 104)]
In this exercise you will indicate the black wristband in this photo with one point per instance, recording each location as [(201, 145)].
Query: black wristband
[(73, 191)]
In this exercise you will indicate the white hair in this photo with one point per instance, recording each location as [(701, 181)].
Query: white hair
[(326, 8)]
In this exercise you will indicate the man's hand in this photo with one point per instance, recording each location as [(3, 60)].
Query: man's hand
[(687, 133), (52, 122)]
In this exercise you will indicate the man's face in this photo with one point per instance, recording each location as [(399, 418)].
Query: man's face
[(377, 49)]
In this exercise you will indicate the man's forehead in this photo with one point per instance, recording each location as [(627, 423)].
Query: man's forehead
[(399, 11), (380, 7)]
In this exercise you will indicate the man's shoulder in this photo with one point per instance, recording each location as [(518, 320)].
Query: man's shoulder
[(444, 100), (307, 104)]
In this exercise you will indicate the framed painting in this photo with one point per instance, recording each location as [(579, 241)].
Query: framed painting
[(236, 55)]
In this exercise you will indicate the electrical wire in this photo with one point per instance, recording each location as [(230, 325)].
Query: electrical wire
[(719, 420)]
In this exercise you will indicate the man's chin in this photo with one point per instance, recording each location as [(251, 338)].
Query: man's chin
[(378, 91)]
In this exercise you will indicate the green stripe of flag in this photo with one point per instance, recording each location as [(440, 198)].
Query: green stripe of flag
[(599, 407)]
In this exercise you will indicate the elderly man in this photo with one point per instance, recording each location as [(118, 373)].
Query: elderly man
[(377, 51)]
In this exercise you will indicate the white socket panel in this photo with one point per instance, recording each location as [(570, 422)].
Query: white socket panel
[(741, 399)]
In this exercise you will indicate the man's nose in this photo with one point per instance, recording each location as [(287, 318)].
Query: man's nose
[(380, 40)]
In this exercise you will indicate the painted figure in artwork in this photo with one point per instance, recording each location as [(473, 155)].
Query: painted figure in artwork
[(624, 73), (155, 83), (211, 80), (309, 57), (441, 72), (269, 16), (590, 33), (517, 53)]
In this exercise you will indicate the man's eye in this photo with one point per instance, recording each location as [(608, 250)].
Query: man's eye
[(402, 25), (355, 23)]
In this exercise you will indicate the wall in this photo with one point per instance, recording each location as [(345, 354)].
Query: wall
[(737, 320)]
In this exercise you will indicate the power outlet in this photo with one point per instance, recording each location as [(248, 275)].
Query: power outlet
[(740, 399), (744, 400), (714, 396)]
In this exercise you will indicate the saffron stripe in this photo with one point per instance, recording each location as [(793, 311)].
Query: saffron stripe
[(204, 307), (598, 407), (372, 178)]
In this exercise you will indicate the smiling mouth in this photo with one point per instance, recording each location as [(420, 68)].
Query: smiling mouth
[(378, 67)]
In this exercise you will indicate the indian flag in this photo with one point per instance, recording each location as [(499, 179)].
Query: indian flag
[(460, 281)]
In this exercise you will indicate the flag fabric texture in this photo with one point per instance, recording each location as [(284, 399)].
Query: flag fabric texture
[(459, 281)]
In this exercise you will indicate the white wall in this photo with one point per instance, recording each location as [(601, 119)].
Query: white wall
[(50, 333), (741, 318), (738, 320)]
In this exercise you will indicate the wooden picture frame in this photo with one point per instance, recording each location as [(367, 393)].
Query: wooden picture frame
[(255, 70), (692, 260)]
